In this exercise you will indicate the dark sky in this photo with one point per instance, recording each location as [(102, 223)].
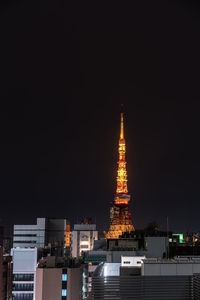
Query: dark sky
[(64, 70)]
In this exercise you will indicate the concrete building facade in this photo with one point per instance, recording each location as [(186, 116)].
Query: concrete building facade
[(47, 232), (25, 236), (83, 237), (156, 279), (49, 284), (24, 273)]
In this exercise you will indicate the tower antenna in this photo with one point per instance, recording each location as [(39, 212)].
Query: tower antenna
[(120, 216)]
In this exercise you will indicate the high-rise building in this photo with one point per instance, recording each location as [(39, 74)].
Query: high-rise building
[(24, 273), (120, 216), (83, 237), (54, 233)]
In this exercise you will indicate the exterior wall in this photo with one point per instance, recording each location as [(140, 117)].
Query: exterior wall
[(156, 246), (142, 287), (49, 284), (74, 244), (83, 238), (82, 227), (56, 231), (74, 284), (39, 284), (132, 261), (1, 275), (30, 235), (111, 269), (170, 268), (46, 231), (122, 244), (115, 256)]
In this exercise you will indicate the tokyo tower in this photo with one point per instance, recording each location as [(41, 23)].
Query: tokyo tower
[(120, 216)]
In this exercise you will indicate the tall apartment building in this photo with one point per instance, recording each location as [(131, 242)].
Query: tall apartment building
[(24, 273), (29, 242), (83, 237)]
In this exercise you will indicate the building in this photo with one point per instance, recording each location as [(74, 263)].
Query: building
[(24, 273), (170, 267), (148, 279), (30, 236), (7, 277), (61, 279), (54, 233), (49, 284), (1, 275), (120, 216), (83, 237)]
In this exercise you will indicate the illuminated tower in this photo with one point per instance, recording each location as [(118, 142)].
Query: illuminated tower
[(120, 217)]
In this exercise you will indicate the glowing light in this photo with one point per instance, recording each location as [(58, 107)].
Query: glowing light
[(67, 235), (121, 172), (120, 218), (121, 201)]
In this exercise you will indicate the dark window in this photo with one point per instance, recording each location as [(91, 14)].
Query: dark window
[(23, 297), (22, 287), (25, 234), (23, 277), (23, 242), (64, 284), (84, 246)]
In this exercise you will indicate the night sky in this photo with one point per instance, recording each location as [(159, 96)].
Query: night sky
[(64, 71)]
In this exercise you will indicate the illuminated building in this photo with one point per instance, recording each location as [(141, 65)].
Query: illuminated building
[(67, 234), (83, 237), (120, 216)]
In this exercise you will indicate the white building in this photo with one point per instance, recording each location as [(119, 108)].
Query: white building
[(83, 237), (30, 235), (24, 273), (132, 261), (47, 232)]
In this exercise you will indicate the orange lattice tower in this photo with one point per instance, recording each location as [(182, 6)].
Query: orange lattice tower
[(120, 216)]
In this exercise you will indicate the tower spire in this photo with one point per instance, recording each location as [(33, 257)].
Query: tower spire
[(121, 172), (122, 123)]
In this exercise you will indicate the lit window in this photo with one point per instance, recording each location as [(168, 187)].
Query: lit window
[(64, 277), (64, 292)]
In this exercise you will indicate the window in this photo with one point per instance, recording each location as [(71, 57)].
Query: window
[(24, 235), (23, 277), (64, 292), (64, 277), (24, 242), (22, 287), (84, 246), (23, 297)]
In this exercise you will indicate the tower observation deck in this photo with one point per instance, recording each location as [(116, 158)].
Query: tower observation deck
[(120, 216)]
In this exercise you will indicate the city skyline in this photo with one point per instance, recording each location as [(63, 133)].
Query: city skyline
[(64, 76)]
